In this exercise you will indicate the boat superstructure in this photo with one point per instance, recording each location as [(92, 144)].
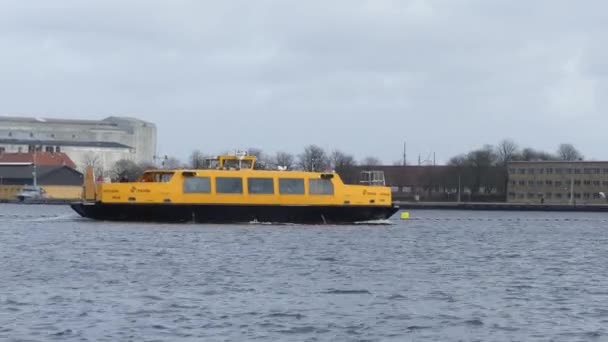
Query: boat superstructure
[(230, 189)]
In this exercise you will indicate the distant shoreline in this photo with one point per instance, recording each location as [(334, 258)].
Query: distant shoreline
[(502, 206), (43, 201)]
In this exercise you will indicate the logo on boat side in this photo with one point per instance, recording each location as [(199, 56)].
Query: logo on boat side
[(134, 189)]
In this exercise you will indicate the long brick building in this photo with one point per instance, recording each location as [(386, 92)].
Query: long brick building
[(576, 182)]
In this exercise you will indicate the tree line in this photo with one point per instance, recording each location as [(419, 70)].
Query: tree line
[(507, 151), (312, 158), (481, 171)]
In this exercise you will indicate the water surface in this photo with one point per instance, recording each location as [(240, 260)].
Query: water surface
[(442, 276)]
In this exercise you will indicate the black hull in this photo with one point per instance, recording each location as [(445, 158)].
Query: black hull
[(233, 213)]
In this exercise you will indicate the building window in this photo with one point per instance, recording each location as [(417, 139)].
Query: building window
[(407, 189), (10, 134), (31, 135), (513, 182), (541, 170), (596, 195), (531, 171), (531, 183), (549, 170), (228, 185), (511, 194), (2, 149), (260, 186), (596, 182), (57, 149), (320, 187), (577, 182), (586, 195), (558, 195), (569, 171), (559, 171), (49, 149), (587, 182), (522, 171), (539, 182), (558, 183), (511, 170), (522, 183), (291, 186), (531, 195), (605, 170), (605, 183), (549, 182), (548, 195), (197, 185), (577, 171), (520, 196), (577, 195)]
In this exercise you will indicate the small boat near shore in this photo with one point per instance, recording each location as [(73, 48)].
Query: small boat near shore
[(231, 190)]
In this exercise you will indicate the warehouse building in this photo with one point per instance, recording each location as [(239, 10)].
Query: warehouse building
[(99, 143), (574, 182)]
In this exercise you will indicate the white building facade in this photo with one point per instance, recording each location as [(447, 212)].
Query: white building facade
[(87, 142)]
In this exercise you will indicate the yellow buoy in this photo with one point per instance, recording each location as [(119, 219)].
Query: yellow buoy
[(405, 215)]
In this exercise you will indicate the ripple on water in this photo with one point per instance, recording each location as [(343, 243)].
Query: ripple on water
[(468, 276), (346, 291)]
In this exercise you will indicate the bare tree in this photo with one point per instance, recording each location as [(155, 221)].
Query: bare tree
[(284, 159), (94, 160), (344, 164), (126, 170), (196, 159), (530, 154), (313, 158), (568, 152), (261, 162), (371, 161), (171, 163), (506, 151)]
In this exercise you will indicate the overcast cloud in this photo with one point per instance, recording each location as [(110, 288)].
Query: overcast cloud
[(361, 76)]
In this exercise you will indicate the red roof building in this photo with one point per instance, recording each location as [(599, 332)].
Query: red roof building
[(40, 158)]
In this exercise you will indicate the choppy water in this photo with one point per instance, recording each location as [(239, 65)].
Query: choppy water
[(443, 276)]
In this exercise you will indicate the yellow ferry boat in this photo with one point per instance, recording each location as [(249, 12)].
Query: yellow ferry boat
[(230, 190)]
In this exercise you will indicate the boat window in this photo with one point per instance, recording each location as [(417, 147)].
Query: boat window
[(200, 185), (260, 186), (229, 185), (291, 186), (320, 187), (157, 177)]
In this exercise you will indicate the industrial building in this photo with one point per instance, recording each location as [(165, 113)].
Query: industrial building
[(574, 182), (439, 183), (99, 143)]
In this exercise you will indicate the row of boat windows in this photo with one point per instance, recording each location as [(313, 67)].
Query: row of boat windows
[(258, 186)]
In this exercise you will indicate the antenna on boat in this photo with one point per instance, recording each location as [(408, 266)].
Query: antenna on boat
[(240, 155)]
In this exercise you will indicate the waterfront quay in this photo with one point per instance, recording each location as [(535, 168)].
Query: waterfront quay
[(502, 206)]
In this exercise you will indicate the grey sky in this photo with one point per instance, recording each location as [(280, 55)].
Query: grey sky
[(361, 76)]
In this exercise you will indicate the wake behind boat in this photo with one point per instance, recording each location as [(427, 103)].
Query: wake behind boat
[(231, 190)]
